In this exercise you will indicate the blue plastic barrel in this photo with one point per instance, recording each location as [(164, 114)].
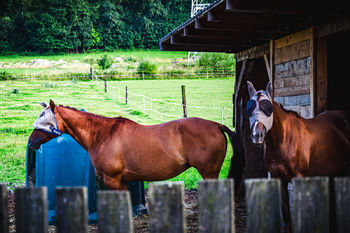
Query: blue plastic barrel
[(62, 162)]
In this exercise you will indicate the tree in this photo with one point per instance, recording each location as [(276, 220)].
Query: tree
[(105, 62)]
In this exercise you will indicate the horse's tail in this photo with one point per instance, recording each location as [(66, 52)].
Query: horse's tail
[(237, 160)]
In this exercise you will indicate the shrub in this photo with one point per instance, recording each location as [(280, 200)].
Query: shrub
[(216, 62), (105, 62), (147, 68)]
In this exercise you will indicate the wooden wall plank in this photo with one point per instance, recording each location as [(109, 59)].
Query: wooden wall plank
[(294, 38), (298, 85), (297, 100), (293, 68), (293, 52)]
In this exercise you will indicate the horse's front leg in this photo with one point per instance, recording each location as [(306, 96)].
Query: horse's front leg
[(285, 207), (115, 183)]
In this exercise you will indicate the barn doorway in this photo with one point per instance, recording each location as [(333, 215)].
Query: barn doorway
[(338, 72)]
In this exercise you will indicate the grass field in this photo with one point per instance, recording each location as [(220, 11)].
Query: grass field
[(60, 65), (19, 108)]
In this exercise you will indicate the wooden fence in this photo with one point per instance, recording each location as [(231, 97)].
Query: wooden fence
[(310, 212)]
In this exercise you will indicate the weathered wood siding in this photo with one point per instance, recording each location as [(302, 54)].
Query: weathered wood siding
[(293, 72)]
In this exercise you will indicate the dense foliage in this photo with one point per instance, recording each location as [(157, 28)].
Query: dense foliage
[(61, 26), (216, 62)]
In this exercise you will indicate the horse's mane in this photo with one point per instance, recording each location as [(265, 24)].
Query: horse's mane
[(119, 119)]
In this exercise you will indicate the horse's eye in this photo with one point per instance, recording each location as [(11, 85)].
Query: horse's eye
[(42, 114), (251, 105), (266, 107)]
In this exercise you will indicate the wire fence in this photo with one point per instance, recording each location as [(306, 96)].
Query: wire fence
[(166, 110)]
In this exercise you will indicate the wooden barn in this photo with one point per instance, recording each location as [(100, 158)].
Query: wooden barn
[(300, 45)]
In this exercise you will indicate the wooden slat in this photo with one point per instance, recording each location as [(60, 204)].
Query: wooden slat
[(310, 205), (31, 210), (293, 68), (205, 32), (297, 100), (263, 199), (297, 85), (292, 52), (197, 48), (216, 206), (206, 40), (294, 38), (166, 207), (254, 52), (114, 212), (334, 26), (72, 210), (342, 192)]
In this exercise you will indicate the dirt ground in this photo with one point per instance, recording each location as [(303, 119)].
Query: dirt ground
[(141, 222)]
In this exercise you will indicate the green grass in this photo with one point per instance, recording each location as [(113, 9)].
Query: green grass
[(19, 110)]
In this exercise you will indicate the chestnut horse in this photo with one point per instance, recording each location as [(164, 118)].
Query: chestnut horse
[(298, 147), (122, 150)]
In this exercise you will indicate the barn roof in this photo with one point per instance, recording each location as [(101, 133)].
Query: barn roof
[(236, 25)]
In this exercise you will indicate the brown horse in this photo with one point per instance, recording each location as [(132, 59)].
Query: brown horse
[(122, 150), (298, 147)]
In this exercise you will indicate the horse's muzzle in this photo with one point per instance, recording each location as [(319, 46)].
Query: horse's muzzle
[(258, 133)]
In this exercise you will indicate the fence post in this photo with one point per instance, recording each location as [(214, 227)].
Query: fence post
[(166, 207), (263, 199), (4, 214), (90, 73), (31, 210), (126, 95), (342, 200), (114, 212), (106, 84), (184, 100), (310, 212), (72, 210), (216, 206)]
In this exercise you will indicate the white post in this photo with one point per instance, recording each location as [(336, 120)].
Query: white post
[(151, 108), (113, 93), (222, 115), (119, 94)]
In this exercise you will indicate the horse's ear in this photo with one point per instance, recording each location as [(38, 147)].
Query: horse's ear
[(43, 104), (269, 89), (251, 89), (52, 105)]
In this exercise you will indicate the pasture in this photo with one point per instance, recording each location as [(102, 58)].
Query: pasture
[(19, 108)]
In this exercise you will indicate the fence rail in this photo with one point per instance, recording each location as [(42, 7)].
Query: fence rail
[(310, 212)]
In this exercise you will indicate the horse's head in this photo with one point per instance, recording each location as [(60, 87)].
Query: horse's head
[(45, 127), (260, 112)]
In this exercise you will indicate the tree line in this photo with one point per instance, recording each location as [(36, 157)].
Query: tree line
[(63, 26)]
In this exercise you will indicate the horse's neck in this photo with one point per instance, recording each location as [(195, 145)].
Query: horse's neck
[(83, 127), (275, 135)]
